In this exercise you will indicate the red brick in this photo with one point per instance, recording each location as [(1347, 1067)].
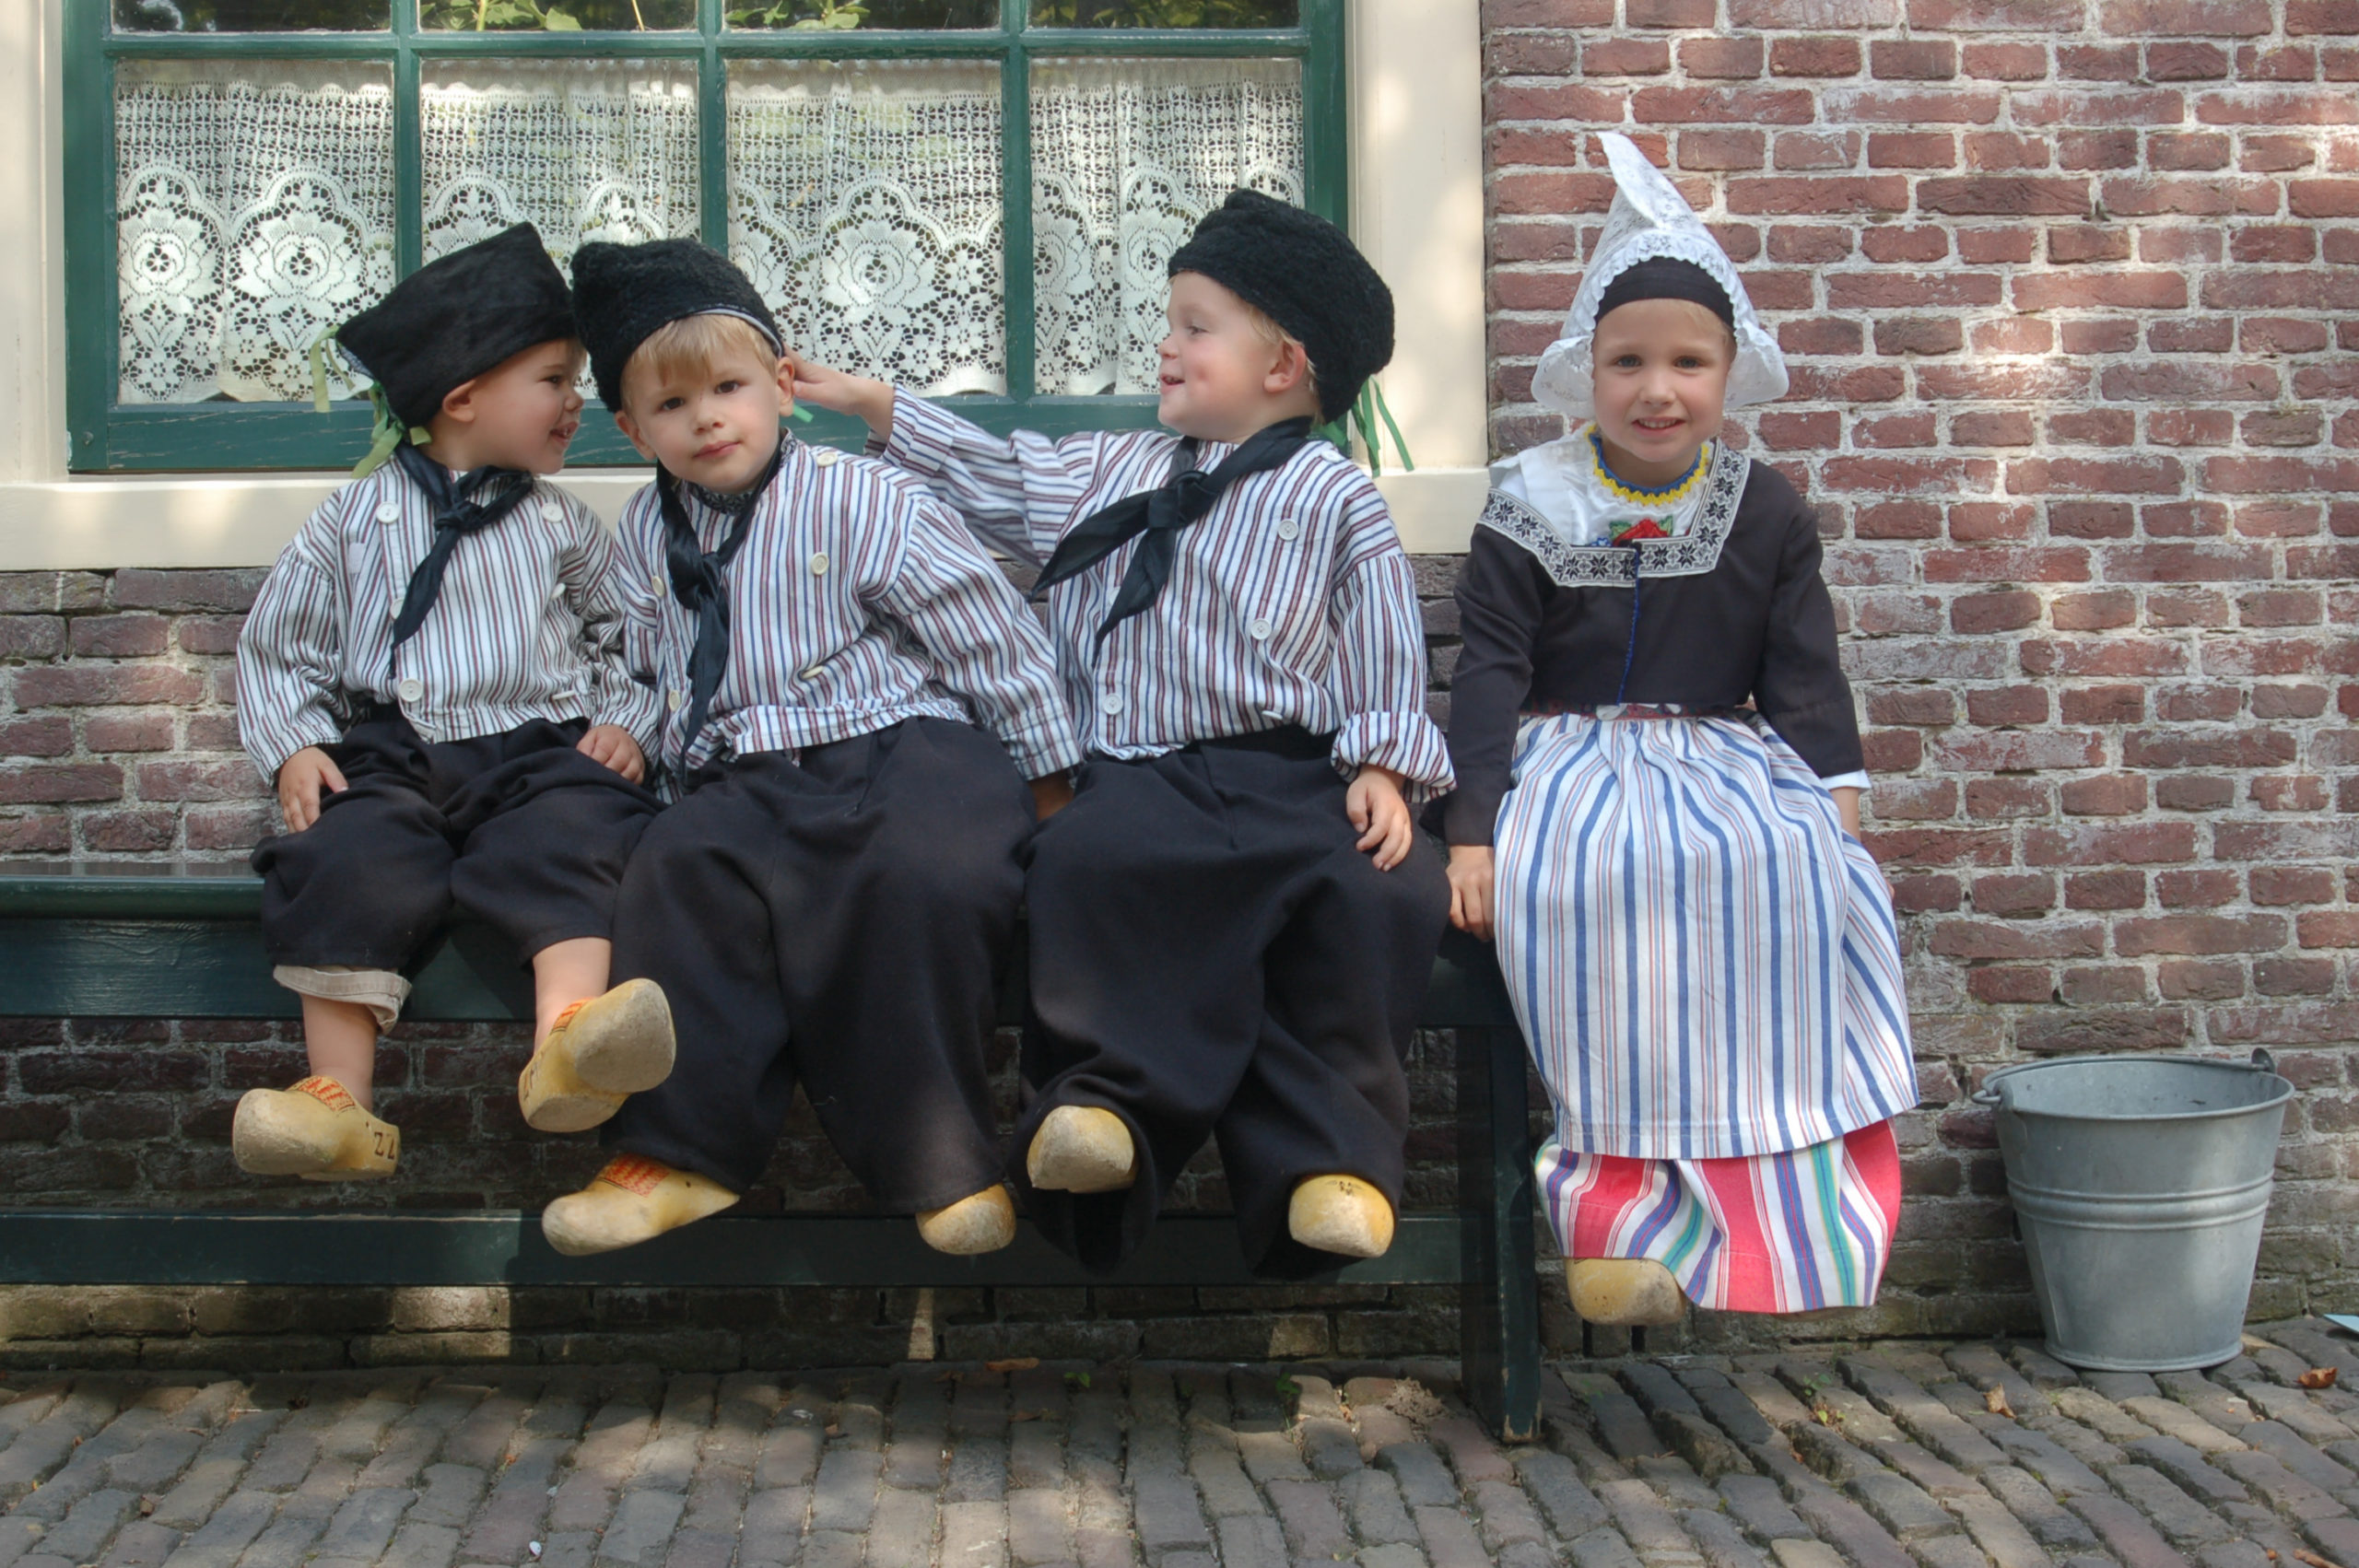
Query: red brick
[(1874, 194), (2105, 705), (2008, 704), (2182, 748), (2088, 476), (1722, 149), (31, 636), (2205, 888), (2087, 243), (2124, 290), (2193, 794), (1546, 14), (52, 736), (1926, 893), (2292, 428), (2046, 17), (2113, 658), (1814, 57), (1889, 244), (2116, 795), (2097, 149), (2009, 892), (2263, 62), (2108, 336), (2013, 335), (42, 834), (1978, 613), (1729, 58), (198, 781), (1898, 751), (2303, 794), (1998, 151), (2200, 979), (2186, 19), (2200, 935), (1996, 247), (1829, 337), (1554, 101), (128, 732), (1998, 984), (1997, 428), (57, 783), (1913, 60), (1912, 106), (2004, 62), (2190, 426), (1911, 705), (2099, 611), (2276, 106), (1809, 243), (2294, 977), (2129, 844), (2335, 17), (140, 589), (2019, 751), (1993, 938), (84, 685), (1911, 149), (1998, 800), (1625, 57), (1995, 564), (2289, 702), (2097, 63), (2105, 890), (2095, 985), (1990, 523), (2176, 61), (1898, 290), (2093, 427)]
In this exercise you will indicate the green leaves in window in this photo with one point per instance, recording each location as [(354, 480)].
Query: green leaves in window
[(485, 16), (803, 15)]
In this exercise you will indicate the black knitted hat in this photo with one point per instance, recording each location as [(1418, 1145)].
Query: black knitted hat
[(458, 316), (1306, 274), (624, 294)]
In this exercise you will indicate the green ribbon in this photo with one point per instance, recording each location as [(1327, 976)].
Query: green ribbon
[(1365, 411), (386, 430)]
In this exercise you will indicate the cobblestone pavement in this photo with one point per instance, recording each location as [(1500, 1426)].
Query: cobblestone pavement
[(1910, 1455)]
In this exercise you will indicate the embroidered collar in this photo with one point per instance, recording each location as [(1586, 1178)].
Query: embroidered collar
[(1558, 515)]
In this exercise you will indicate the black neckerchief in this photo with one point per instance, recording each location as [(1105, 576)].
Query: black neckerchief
[(702, 580), (457, 513), (1159, 514)]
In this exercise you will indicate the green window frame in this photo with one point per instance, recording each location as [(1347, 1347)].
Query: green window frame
[(109, 435)]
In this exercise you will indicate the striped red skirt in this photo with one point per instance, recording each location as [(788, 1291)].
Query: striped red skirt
[(1763, 1233)]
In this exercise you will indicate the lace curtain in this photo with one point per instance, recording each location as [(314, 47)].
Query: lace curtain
[(254, 212), (255, 200), (1127, 155)]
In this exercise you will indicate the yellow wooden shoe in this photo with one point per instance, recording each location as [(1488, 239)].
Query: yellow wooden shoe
[(1341, 1214), (633, 1199), (1625, 1293), (316, 1130), (1082, 1149), (984, 1222), (599, 1053)]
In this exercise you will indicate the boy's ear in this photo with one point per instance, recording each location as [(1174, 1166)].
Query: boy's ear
[(785, 385), (1288, 368), (458, 402), (629, 428)]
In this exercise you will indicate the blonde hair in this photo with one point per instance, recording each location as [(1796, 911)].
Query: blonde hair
[(1266, 328), (694, 344)]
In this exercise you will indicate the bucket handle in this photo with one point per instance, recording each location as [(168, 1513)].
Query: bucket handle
[(1988, 1094)]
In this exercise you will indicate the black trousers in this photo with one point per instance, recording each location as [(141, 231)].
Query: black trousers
[(519, 830), (1213, 957), (844, 920)]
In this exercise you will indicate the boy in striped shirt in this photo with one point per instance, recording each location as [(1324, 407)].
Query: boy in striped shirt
[(1233, 923), (852, 699), (431, 678)]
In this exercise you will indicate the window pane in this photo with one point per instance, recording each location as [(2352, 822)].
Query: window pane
[(556, 15), (1166, 13), (253, 213), (868, 14), (250, 15), (1127, 155), (589, 149), (864, 201)]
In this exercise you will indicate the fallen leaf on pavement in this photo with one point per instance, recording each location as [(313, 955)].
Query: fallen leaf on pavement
[(1014, 1363), (2313, 1558), (1995, 1402), (2318, 1377)]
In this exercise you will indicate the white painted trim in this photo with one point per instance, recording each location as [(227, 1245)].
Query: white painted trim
[(1416, 135)]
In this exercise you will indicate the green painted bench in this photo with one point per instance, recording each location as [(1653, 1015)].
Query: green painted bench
[(182, 943)]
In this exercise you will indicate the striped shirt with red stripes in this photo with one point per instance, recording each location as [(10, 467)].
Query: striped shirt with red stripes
[(1290, 602), (528, 624), (857, 601)]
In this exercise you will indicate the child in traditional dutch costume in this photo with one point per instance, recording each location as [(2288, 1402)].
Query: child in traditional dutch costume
[(1658, 770), (432, 679), (853, 698), (1233, 923)]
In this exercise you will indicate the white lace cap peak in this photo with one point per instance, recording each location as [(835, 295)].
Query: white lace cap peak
[(1650, 218)]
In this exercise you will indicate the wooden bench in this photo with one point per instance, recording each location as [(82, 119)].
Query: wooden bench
[(183, 943)]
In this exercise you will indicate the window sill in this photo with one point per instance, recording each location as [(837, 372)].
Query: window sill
[(201, 521)]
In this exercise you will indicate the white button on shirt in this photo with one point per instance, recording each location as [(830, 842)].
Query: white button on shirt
[(411, 689), (1259, 629), (388, 513), (551, 509), (819, 563), (1111, 702), (1288, 529)]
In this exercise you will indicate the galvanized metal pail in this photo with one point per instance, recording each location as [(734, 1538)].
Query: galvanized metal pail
[(2140, 1184)]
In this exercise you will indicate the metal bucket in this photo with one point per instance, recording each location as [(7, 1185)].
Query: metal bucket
[(2141, 1185)]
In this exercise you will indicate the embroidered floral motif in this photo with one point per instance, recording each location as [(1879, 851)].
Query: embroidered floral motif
[(1691, 554)]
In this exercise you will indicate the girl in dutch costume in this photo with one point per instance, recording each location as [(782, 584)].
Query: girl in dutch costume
[(1657, 816)]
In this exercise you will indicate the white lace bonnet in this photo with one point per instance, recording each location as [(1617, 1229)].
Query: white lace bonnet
[(1650, 218)]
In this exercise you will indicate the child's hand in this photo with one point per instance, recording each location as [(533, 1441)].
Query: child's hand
[(1471, 869), (610, 745), (1050, 794), (305, 780), (856, 395), (1380, 811)]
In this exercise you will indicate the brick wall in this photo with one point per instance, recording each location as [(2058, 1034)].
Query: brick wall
[(2070, 290)]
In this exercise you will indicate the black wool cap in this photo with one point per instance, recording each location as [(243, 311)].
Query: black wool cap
[(1306, 274), (626, 294), (458, 316)]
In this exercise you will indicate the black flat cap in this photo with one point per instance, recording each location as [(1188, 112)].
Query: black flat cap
[(458, 316), (1306, 274), (624, 294)]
